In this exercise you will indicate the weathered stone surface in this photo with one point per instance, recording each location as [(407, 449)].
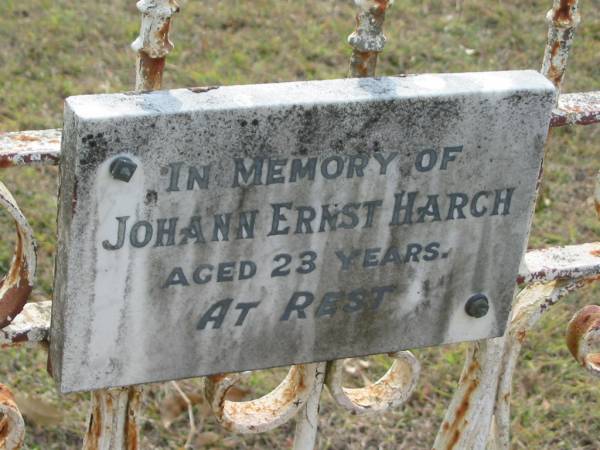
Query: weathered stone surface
[(247, 227)]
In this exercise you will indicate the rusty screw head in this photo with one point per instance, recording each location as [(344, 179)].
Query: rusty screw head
[(477, 306), (122, 168)]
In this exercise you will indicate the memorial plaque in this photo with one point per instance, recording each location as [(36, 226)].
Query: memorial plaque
[(225, 229)]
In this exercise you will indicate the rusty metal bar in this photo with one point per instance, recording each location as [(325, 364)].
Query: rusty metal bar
[(307, 422), (12, 426), (153, 44), (113, 420), (39, 147), (530, 305), (562, 19), (482, 398), (31, 326), (16, 286), (582, 108), (367, 40), (570, 262), (469, 415), (583, 337), (583, 331), (42, 147)]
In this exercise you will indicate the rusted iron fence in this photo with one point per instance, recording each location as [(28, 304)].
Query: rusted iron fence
[(478, 416)]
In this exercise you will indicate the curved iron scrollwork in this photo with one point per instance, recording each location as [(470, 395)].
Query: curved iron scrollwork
[(16, 286)]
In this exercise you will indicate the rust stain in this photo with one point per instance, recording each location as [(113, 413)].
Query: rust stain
[(16, 159), (16, 295), (368, 39), (582, 322), (6, 162), (20, 338), (255, 415), (163, 32), (593, 359), (109, 402), (455, 438), (95, 425), (7, 400), (152, 71), (26, 138), (576, 109), (590, 280), (363, 64), (555, 74), (4, 431), (218, 404), (131, 426), (521, 335), (6, 397), (382, 5), (564, 11), (456, 426), (217, 378), (301, 384), (597, 205), (132, 435), (463, 408)]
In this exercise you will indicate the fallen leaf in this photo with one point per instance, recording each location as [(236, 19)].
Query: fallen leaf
[(231, 443), (546, 405), (206, 438)]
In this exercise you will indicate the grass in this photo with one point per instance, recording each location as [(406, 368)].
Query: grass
[(50, 49)]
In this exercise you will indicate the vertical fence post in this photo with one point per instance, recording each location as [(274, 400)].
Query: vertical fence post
[(562, 19), (307, 422), (367, 40), (113, 420), (153, 44), (113, 423), (469, 415)]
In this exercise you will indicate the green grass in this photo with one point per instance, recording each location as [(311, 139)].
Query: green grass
[(50, 49)]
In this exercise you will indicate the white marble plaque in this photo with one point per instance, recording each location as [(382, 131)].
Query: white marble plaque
[(214, 230)]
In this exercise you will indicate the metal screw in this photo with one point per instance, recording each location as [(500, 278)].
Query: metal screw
[(477, 306), (122, 168)]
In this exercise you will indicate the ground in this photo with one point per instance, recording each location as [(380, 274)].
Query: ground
[(50, 49)]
